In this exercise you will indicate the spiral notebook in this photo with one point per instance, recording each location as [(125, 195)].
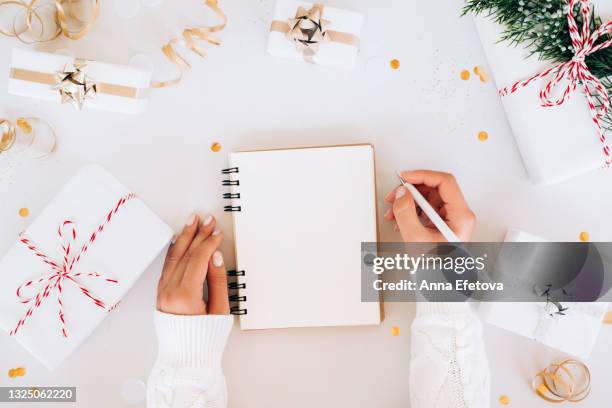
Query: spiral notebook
[(300, 216)]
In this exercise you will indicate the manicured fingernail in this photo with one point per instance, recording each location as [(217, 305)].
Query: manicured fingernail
[(208, 219), (218, 259), (401, 191), (190, 220), (388, 212), (174, 237), (217, 231)]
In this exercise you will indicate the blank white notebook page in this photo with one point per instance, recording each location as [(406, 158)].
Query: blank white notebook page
[(304, 214)]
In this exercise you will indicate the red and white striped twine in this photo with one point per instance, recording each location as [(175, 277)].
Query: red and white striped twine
[(64, 271), (577, 72)]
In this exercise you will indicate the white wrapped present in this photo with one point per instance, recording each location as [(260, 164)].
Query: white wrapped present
[(83, 83), (315, 33), (573, 331), (76, 261), (555, 142)]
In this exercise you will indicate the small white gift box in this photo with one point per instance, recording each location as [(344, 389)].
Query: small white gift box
[(83, 83), (574, 332), (315, 33), (75, 262)]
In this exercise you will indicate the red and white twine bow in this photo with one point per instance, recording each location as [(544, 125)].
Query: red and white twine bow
[(63, 272), (577, 71)]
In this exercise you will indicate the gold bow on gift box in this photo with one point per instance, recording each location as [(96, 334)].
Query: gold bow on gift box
[(308, 30), (74, 85)]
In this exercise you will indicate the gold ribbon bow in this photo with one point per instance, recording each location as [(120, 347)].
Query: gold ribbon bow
[(308, 30), (74, 85)]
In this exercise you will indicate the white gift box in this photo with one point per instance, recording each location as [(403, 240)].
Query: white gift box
[(126, 246), (330, 53), (575, 333), (555, 143), (120, 88)]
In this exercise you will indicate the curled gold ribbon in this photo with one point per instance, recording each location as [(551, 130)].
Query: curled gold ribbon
[(558, 383), (63, 12), (86, 25), (8, 135), (7, 138), (308, 29), (189, 41)]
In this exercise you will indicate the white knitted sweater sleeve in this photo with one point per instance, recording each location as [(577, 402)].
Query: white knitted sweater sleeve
[(188, 373), (449, 366)]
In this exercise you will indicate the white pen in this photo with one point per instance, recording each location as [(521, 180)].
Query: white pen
[(429, 211)]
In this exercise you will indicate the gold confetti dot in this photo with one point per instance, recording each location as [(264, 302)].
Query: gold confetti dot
[(504, 400), (16, 372), (24, 125), (483, 77), (215, 147), (584, 236), (395, 63), (477, 70), (465, 75), (483, 136), (395, 331), (24, 212)]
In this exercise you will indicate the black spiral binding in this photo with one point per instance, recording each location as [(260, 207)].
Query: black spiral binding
[(236, 285), (236, 297)]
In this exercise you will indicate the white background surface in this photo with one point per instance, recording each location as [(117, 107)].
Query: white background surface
[(419, 116)]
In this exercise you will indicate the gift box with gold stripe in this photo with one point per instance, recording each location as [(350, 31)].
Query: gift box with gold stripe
[(79, 82)]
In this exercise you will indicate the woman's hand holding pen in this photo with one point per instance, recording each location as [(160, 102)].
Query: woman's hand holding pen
[(444, 194)]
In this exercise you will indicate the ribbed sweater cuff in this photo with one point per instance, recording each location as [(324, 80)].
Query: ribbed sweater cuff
[(192, 341), (442, 308)]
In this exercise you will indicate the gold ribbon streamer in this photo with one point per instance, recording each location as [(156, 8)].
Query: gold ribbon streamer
[(63, 13), (189, 39), (308, 30), (557, 383)]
